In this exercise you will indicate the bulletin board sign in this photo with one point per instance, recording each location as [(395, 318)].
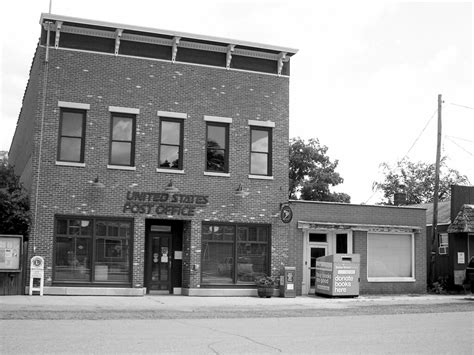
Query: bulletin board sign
[(10, 253)]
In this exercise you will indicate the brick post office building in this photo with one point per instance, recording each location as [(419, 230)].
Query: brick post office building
[(156, 161)]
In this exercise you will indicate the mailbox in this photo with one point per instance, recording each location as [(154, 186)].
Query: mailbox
[(36, 272), (287, 282), (338, 275)]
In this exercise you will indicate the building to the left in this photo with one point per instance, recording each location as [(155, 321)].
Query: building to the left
[(156, 161)]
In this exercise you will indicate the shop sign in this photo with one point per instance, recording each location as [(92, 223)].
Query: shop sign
[(163, 203), (286, 214)]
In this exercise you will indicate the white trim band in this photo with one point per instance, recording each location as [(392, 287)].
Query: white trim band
[(262, 123), (77, 105), (70, 163), (130, 110), (218, 119), (169, 171), (208, 173), (121, 167), (172, 114), (261, 177)]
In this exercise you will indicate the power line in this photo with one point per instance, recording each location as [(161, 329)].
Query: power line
[(471, 108), (417, 138), (459, 146), (461, 139)]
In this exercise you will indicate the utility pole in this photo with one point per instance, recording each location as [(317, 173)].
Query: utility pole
[(435, 196)]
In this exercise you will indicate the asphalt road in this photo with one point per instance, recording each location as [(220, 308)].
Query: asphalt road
[(420, 333), (431, 325)]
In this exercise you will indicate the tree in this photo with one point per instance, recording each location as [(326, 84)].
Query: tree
[(312, 172), (14, 203), (417, 180)]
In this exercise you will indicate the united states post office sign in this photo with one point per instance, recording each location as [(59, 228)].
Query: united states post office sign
[(163, 203)]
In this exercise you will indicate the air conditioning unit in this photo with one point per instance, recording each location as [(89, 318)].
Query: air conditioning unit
[(443, 250)]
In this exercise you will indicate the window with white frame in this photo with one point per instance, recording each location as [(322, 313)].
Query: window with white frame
[(443, 240), (72, 135), (390, 257)]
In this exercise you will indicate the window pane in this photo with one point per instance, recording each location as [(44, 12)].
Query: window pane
[(251, 261), (70, 149), (389, 255), (112, 260), (341, 243), (216, 137), (72, 124), (259, 163), (259, 141), (216, 160), (317, 238), (122, 128), (121, 153), (169, 156), (217, 263), (170, 132), (61, 226), (72, 260)]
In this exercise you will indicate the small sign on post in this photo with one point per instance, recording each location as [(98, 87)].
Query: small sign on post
[(36, 272)]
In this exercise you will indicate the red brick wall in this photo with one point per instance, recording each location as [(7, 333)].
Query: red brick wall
[(105, 80), (21, 149), (363, 214)]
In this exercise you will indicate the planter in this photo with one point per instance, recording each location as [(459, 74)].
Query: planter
[(265, 292)]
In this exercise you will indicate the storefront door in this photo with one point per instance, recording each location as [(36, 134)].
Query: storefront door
[(158, 273), (315, 251)]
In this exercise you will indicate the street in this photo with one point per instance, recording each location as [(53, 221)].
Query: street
[(447, 332)]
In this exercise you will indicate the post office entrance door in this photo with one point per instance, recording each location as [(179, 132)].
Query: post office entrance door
[(315, 251), (159, 262)]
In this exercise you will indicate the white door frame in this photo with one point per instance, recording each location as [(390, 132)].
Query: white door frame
[(330, 249)]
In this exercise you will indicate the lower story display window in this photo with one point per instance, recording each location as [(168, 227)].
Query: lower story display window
[(92, 250), (234, 254), (390, 257)]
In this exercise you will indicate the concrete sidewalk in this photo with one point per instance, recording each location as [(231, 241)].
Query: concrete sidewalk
[(183, 303)]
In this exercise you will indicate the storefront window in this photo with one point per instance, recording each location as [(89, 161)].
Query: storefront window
[(234, 254), (96, 251), (390, 257)]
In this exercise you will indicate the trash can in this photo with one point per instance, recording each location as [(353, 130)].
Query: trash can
[(338, 275), (287, 282)]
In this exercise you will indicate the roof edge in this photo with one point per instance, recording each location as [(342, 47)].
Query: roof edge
[(55, 17)]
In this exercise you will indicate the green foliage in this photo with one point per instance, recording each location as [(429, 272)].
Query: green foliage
[(14, 203), (417, 180), (312, 173), (265, 281)]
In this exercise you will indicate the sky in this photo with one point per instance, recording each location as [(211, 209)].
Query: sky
[(365, 80)]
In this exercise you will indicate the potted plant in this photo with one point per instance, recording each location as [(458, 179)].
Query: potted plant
[(265, 286)]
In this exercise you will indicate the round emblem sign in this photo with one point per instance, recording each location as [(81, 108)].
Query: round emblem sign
[(37, 261), (286, 214)]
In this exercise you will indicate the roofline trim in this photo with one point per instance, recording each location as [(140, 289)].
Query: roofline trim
[(355, 226), (46, 16)]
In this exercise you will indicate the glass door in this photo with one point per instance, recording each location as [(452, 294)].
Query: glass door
[(159, 262), (315, 251)]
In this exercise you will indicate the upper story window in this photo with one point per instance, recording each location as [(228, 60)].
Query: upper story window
[(217, 138), (122, 139), (72, 131), (260, 151), (171, 144)]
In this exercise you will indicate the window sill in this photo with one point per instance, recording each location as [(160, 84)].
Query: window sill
[(391, 279), (261, 177), (208, 173), (120, 167), (69, 163), (169, 171)]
